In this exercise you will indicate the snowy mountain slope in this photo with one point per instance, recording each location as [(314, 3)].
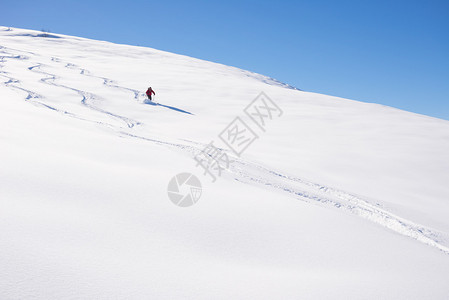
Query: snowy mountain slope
[(335, 193)]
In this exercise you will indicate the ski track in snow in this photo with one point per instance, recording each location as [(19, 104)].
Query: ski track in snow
[(240, 170), (106, 81), (50, 79), (330, 197), (87, 98), (314, 193), (13, 82)]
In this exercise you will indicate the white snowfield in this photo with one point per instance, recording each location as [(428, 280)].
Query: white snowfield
[(337, 199)]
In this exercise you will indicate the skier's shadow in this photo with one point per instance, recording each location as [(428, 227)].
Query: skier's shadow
[(149, 102)]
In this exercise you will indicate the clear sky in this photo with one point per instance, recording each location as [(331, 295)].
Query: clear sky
[(390, 52)]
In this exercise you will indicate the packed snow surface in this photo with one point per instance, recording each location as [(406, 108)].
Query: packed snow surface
[(334, 198)]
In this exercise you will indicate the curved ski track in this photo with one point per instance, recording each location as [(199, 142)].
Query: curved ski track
[(51, 79)]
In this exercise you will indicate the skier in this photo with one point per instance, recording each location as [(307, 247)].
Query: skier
[(149, 92)]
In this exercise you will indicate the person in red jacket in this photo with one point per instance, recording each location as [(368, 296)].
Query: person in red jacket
[(149, 92)]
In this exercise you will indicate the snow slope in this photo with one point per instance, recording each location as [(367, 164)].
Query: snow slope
[(337, 199)]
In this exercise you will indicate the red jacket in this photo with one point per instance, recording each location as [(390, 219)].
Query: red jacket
[(149, 91)]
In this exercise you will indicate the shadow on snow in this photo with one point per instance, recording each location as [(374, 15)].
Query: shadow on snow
[(149, 102)]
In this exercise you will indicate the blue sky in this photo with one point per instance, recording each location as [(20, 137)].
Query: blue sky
[(390, 52)]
